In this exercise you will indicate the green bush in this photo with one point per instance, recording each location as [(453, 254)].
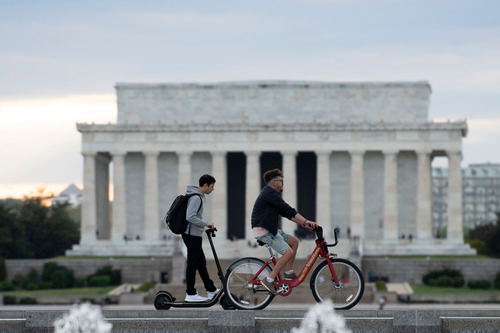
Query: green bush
[(446, 277), (99, 281), (6, 286), (58, 276), (3, 269), (32, 276), (31, 286), (9, 300), (381, 286), (115, 275), (146, 286), (479, 284), (443, 281), (497, 281), (58, 280), (80, 282), (28, 300), (45, 285), (19, 281), (480, 246)]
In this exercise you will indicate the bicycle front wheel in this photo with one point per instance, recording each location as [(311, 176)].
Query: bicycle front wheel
[(239, 288), (349, 290)]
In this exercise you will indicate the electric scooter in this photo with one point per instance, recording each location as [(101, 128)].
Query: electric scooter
[(164, 300)]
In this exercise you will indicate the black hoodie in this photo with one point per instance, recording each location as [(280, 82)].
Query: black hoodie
[(266, 209)]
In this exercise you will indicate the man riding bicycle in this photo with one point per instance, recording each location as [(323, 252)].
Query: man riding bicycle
[(266, 209)]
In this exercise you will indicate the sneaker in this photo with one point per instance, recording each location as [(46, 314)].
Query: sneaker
[(290, 276), (195, 298), (211, 294), (269, 286)]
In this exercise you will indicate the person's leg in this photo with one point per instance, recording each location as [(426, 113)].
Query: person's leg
[(285, 257), (193, 245), (202, 269), (293, 242), (278, 244)]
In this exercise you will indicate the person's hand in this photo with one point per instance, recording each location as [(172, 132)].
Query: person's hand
[(210, 225), (310, 225)]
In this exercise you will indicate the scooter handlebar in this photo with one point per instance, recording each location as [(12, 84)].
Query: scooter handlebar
[(211, 231)]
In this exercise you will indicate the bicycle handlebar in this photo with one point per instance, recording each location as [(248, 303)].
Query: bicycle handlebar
[(319, 235)]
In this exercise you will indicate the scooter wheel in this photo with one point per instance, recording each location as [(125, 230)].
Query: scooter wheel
[(161, 300), (226, 305)]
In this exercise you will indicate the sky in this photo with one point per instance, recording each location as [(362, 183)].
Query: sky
[(60, 60)]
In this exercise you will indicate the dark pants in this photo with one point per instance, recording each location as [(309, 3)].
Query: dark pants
[(196, 261)]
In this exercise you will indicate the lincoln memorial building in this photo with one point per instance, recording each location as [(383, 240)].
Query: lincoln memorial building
[(355, 156)]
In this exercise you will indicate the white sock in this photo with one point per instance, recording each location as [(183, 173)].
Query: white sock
[(289, 272), (269, 279)]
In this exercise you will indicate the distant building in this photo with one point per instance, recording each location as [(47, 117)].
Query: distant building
[(72, 194), (480, 195)]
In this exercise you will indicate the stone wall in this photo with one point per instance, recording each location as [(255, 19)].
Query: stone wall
[(411, 270), (141, 270), (133, 270)]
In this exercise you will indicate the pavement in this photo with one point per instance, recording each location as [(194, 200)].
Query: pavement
[(288, 306)]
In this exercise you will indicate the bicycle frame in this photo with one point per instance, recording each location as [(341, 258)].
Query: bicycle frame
[(286, 286)]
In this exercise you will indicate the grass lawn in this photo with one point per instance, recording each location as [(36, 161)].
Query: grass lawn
[(72, 291), (423, 289)]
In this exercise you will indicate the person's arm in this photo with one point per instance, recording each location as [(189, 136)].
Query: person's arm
[(302, 221), (193, 206)]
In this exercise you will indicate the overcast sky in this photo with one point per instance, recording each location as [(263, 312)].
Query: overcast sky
[(60, 60)]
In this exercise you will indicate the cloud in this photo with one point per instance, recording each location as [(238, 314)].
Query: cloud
[(40, 138)]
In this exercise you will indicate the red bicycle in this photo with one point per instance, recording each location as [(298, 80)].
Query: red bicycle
[(335, 279)]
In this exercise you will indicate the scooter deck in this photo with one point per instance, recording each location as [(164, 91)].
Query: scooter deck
[(207, 303)]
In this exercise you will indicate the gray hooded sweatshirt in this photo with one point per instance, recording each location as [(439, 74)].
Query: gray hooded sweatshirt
[(194, 214)]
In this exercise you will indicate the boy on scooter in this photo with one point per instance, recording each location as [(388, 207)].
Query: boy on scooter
[(192, 238)]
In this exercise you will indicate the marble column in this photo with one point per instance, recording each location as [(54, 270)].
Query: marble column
[(289, 187), (184, 170), (357, 194), (391, 225), (253, 177), (323, 204), (424, 196), (151, 205), (454, 229), (219, 202), (103, 227), (89, 203), (119, 220)]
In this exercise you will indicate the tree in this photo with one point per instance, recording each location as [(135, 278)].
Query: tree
[(12, 237), (494, 241), (60, 226), (36, 230), (487, 238)]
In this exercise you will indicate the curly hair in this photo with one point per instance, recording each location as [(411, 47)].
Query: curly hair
[(271, 174)]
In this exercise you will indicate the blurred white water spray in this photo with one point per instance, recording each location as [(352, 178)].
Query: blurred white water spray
[(321, 318), (83, 318)]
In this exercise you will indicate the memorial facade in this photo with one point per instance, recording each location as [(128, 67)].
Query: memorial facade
[(355, 156)]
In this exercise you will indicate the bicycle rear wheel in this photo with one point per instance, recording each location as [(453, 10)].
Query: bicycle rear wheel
[(347, 293), (239, 289)]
